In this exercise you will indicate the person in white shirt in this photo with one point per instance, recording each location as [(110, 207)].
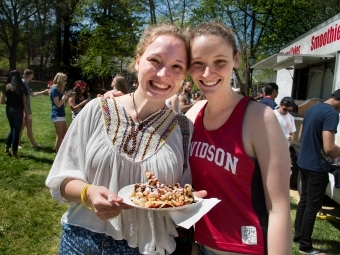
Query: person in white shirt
[(285, 119), (111, 143)]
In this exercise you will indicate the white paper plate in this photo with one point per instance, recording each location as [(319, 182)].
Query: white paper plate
[(126, 192)]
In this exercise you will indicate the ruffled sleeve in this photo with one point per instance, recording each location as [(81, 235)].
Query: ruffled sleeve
[(70, 159)]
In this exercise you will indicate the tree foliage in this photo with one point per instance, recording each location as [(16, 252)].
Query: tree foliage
[(263, 27), (110, 39), (97, 36), (14, 13)]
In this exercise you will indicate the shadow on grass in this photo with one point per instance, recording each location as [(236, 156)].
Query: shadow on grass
[(293, 206), (37, 159), (38, 154), (333, 246), (48, 149)]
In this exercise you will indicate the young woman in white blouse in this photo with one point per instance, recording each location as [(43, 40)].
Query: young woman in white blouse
[(110, 145)]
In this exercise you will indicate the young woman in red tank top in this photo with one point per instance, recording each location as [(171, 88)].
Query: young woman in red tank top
[(236, 155)]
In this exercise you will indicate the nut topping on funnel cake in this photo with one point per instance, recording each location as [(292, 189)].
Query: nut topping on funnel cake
[(158, 195)]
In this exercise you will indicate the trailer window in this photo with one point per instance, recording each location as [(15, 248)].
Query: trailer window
[(315, 82), (328, 81), (319, 81)]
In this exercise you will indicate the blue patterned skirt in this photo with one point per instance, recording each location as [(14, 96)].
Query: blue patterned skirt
[(81, 241)]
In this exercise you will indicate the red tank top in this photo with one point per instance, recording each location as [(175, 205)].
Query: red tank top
[(220, 165)]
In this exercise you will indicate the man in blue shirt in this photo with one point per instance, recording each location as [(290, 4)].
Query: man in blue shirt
[(270, 93), (317, 135)]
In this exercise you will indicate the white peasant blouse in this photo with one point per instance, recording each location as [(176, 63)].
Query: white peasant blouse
[(103, 146)]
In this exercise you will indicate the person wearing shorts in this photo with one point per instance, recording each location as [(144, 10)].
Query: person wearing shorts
[(27, 78), (58, 99)]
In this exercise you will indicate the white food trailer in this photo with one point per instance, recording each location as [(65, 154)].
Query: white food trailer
[(308, 70)]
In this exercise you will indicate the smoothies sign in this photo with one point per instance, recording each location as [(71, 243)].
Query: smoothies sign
[(324, 38)]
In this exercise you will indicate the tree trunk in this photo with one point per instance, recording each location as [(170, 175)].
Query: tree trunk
[(57, 57), (152, 12), (66, 46), (13, 57)]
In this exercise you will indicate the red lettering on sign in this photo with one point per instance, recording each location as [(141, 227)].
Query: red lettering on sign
[(331, 35), (293, 50)]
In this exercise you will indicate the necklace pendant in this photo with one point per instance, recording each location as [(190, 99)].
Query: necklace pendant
[(140, 126)]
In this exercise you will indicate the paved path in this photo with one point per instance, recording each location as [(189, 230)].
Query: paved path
[(295, 195)]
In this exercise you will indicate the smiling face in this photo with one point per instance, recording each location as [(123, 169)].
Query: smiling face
[(162, 67), (212, 63)]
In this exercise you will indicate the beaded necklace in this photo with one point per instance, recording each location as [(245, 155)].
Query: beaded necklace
[(125, 135), (142, 122), (131, 139)]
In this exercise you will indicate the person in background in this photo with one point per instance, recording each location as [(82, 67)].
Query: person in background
[(14, 95), (87, 91), (80, 99), (27, 78), (112, 143), (173, 103), (184, 97), (285, 119), (134, 85), (119, 84), (259, 94), (316, 136), (194, 97), (58, 98), (270, 93), (49, 85), (227, 156)]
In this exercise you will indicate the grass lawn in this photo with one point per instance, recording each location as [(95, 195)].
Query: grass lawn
[(30, 218), (326, 234)]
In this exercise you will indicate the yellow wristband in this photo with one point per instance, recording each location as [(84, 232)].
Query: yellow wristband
[(83, 195)]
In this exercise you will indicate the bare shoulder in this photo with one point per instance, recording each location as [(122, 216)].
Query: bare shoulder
[(195, 109), (123, 100), (259, 114), (260, 127), (181, 98), (174, 98)]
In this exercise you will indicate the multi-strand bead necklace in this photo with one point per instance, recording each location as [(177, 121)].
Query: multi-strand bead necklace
[(132, 136)]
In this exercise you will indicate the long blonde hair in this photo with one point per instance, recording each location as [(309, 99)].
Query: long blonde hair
[(58, 81), (154, 31)]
